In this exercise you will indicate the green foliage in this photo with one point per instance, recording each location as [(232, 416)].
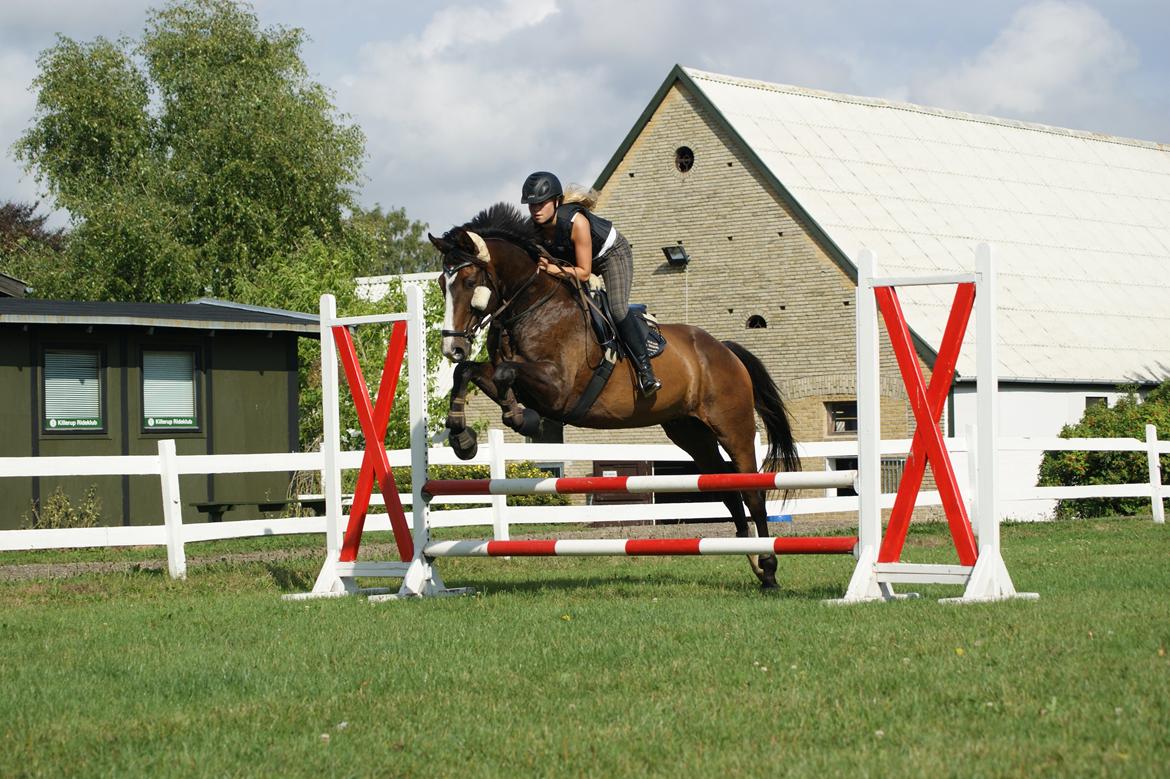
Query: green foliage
[(58, 511), (393, 242), (20, 227), (1126, 419), (27, 247), (190, 174)]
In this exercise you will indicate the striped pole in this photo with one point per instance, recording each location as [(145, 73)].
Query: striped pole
[(592, 485), (644, 546)]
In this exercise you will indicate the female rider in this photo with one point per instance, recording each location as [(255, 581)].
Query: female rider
[(590, 244)]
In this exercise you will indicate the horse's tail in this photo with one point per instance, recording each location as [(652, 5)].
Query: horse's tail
[(770, 407)]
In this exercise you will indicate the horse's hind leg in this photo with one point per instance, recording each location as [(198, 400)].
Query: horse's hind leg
[(697, 440), (738, 438)]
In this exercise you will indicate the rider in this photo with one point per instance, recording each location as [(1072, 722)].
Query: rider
[(590, 244)]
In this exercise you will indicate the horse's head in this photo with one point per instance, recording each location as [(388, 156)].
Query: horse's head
[(470, 287)]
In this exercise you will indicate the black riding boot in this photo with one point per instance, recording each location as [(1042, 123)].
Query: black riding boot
[(633, 332)]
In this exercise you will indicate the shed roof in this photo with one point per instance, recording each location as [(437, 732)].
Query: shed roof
[(1080, 221), (204, 314), (10, 286)]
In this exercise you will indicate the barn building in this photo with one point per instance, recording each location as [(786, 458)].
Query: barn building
[(746, 203)]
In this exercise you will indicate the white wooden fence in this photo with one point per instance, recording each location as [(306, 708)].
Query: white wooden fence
[(171, 532)]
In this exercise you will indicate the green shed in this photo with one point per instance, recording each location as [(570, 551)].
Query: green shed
[(86, 378)]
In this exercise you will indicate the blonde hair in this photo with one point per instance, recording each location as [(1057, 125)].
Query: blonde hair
[(587, 197)]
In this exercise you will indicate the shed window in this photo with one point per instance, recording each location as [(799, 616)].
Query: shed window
[(684, 158), (168, 390), (756, 322), (842, 417), (73, 390)]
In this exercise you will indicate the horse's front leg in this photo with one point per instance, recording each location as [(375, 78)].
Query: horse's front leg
[(463, 438), (496, 382), (523, 420)]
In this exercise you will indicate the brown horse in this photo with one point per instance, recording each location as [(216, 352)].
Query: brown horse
[(543, 353)]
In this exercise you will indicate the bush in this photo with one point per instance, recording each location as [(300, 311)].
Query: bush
[(57, 511), (1127, 419)]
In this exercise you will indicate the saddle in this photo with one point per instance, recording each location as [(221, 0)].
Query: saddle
[(605, 329), (596, 301)]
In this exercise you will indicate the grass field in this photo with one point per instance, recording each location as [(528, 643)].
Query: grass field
[(595, 667)]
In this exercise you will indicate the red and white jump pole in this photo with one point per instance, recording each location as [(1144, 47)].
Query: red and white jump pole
[(634, 547), (634, 485)]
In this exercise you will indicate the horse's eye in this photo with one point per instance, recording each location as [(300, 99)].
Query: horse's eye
[(469, 283)]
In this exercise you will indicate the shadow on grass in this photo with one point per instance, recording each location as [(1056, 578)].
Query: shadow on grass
[(289, 579), (639, 587)]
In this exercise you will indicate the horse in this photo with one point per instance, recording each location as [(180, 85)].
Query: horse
[(542, 354)]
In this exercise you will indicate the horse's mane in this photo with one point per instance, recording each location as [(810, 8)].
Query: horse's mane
[(504, 221)]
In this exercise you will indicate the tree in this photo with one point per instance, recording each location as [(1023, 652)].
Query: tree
[(236, 159), (27, 248), (1126, 419), (396, 244), (21, 228)]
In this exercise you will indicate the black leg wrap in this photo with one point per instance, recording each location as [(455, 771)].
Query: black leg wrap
[(531, 424), (464, 444), (524, 421)]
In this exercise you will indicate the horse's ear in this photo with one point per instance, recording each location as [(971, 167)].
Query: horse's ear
[(441, 244), (463, 241)]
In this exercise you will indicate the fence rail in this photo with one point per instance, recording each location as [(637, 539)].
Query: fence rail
[(476, 510)]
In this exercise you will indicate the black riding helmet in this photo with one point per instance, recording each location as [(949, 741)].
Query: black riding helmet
[(539, 187)]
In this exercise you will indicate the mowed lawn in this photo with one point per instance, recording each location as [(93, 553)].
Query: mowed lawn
[(596, 667)]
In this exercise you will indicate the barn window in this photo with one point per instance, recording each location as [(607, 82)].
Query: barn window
[(756, 322), (843, 464), (892, 468), (72, 386), (168, 390), (1096, 400), (842, 417), (684, 158)]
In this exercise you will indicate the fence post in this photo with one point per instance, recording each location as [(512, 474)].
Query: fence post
[(498, 471), (172, 508), (1155, 474)]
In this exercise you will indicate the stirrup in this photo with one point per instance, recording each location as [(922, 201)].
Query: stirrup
[(648, 383)]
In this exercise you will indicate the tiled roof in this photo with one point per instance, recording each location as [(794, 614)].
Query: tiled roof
[(1080, 222)]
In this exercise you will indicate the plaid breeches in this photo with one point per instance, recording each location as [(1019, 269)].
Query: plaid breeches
[(617, 269)]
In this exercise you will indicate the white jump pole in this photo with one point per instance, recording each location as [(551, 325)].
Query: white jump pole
[(328, 582), (863, 585), (990, 579)]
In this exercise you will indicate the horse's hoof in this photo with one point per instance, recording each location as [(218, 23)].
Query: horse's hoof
[(770, 588), (464, 444)]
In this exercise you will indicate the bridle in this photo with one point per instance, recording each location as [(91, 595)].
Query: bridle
[(453, 264)]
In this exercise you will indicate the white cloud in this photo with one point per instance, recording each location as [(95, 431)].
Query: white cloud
[(17, 71), (1053, 57), (473, 25), (456, 116)]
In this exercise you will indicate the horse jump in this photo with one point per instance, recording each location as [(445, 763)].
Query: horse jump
[(981, 571)]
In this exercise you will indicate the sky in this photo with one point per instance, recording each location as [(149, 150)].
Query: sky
[(459, 101)]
